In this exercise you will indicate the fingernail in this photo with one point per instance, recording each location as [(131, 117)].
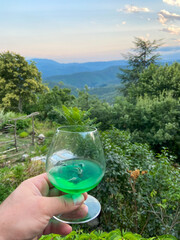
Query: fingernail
[(77, 199)]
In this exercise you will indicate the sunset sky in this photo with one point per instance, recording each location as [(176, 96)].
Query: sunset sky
[(86, 30)]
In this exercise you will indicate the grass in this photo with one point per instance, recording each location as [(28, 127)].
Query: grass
[(8, 152)]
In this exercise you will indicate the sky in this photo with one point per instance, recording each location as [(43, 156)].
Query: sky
[(87, 30)]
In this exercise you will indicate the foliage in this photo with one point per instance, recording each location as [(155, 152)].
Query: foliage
[(84, 99), (139, 192), (154, 121), (46, 103), (144, 55), (156, 80), (6, 119), (99, 111), (23, 134), (74, 116), (19, 81), (10, 178), (133, 173), (98, 235)]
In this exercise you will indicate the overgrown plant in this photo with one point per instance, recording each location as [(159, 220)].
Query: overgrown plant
[(132, 174), (98, 235)]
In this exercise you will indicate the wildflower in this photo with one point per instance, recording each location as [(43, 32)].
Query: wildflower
[(135, 174), (143, 172)]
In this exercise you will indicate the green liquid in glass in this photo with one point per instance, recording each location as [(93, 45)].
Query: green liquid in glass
[(75, 175)]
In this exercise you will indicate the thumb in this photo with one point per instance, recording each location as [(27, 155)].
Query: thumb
[(60, 205)]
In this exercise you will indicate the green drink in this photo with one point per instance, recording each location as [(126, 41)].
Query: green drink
[(76, 175)]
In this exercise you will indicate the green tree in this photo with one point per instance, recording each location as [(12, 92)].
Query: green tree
[(99, 111), (151, 120), (84, 99), (155, 80), (143, 55), (19, 82), (56, 97)]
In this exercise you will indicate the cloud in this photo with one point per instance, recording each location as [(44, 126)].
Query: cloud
[(172, 2), (172, 30), (162, 18), (133, 9), (123, 22), (145, 38), (165, 16)]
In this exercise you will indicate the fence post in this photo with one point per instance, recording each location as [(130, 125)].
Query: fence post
[(33, 133), (15, 137)]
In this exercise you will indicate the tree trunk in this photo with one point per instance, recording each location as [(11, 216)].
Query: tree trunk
[(20, 104)]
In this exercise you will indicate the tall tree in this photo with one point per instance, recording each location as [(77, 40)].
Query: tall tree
[(142, 56), (19, 81), (156, 80)]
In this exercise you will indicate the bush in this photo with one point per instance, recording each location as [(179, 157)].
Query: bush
[(113, 235), (10, 178), (151, 120), (143, 190), (23, 124), (5, 118), (23, 134)]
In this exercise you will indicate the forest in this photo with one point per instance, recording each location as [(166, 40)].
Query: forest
[(139, 130)]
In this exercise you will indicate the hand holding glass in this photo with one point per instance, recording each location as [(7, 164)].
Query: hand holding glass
[(75, 164)]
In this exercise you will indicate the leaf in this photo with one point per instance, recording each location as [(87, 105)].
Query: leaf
[(131, 236), (51, 237), (167, 237)]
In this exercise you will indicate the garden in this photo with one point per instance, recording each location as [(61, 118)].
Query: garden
[(140, 191)]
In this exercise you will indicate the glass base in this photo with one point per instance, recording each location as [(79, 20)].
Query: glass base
[(94, 208)]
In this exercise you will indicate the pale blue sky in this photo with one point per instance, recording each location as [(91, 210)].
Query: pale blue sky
[(84, 30)]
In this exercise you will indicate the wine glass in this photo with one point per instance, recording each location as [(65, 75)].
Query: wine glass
[(75, 164)]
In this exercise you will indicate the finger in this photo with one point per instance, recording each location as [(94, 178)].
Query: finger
[(85, 195), (54, 192), (57, 228), (60, 205), (81, 212), (41, 182)]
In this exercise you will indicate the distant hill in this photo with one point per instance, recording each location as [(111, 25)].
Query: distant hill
[(52, 68), (107, 93), (102, 78)]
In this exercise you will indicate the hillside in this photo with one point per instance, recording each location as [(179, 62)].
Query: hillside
[(52, 68), (102, 78)]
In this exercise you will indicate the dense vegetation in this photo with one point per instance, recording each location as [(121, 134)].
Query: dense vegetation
[(140, 192), (114, 235)]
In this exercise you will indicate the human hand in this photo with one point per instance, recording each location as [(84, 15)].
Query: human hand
[(25, 214)]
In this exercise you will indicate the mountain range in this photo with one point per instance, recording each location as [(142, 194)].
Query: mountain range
[(100, 77), (52, 68)]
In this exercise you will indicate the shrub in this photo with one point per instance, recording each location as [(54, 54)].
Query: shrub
[(113, 235), (74, 116), (10, 178), (6, 118), (143, 190), (151, 120), (23, 124), (23, 134)]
